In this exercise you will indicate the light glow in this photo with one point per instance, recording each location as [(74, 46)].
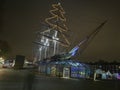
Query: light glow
[(1, 60)]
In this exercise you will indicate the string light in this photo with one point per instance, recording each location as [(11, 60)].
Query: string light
[(57, 17), (50, 40)]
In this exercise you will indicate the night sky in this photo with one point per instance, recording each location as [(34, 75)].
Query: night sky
[(20, 19)]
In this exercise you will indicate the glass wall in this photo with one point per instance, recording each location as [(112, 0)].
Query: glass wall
[(66, 69)]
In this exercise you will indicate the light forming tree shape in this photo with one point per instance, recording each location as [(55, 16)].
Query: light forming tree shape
[(53, 39), (57, 22)]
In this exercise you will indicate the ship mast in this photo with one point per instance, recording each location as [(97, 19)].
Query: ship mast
[(52, 40)]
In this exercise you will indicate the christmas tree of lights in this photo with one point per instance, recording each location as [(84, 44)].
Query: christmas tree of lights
[(57, 22), (53, 40)]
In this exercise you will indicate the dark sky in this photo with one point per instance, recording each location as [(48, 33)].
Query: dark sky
[(20, 19)]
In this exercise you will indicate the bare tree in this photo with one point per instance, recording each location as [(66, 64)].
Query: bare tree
[(4, 48)]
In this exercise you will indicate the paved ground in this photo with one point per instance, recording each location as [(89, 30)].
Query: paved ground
[(24, 80)]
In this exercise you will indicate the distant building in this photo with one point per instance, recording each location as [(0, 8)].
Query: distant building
[(108, 69)]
